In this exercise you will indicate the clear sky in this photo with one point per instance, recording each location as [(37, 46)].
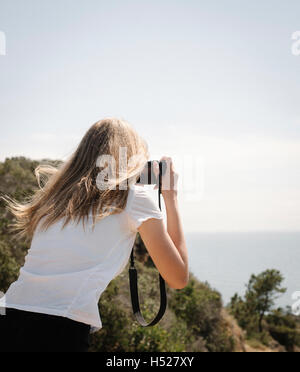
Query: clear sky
[(209, 80)]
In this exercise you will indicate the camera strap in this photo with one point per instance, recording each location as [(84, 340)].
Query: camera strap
[(133, 279)]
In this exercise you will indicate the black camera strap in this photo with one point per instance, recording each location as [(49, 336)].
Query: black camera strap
[(133, 279)]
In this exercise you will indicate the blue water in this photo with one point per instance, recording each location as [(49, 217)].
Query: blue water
[(227, 260)]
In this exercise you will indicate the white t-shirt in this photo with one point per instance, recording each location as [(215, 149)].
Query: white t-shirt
[(66, 271)]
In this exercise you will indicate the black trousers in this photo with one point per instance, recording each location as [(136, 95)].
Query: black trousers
[(22, 331)]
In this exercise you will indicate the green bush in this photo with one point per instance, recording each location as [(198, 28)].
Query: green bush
[(200, 307), (283, 328), (254, 312)]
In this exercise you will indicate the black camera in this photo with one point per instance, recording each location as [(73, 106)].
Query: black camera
[(148, 176)]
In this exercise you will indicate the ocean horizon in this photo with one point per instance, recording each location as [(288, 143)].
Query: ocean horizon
[(227, 260)]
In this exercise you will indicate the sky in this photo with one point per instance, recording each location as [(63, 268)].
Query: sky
[(213, 84)]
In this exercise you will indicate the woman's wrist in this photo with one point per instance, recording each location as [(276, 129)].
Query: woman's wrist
[(170, 196)]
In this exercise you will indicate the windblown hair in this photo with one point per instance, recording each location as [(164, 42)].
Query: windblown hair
[(71, 190)]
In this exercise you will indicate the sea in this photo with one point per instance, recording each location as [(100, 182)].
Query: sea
[(227, 260)]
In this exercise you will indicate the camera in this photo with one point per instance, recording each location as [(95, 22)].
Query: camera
[(148, 176)]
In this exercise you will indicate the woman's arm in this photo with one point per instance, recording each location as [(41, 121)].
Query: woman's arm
[(167, 247)]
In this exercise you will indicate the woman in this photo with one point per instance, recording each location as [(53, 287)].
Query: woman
[(82, 235)]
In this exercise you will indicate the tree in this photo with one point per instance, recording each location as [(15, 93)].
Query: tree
[(262, 291)]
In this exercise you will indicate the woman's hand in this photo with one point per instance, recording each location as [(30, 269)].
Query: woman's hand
[(169, 179)]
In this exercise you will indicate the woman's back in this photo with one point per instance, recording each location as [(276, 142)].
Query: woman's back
[(66, 270)]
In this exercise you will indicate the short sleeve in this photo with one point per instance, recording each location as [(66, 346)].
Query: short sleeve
[(142, 208)]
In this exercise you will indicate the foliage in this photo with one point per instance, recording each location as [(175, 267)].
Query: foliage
[(200, 307), (255, 312), (283, 328), (262, 290)]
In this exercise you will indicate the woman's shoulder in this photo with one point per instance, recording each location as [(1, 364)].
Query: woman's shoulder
[(139, 194), (141, 205)]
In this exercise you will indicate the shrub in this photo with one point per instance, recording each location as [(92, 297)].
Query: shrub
[(283, 328), (200, 307)]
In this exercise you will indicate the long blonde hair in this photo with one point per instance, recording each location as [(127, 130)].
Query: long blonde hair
[(70, 190)]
